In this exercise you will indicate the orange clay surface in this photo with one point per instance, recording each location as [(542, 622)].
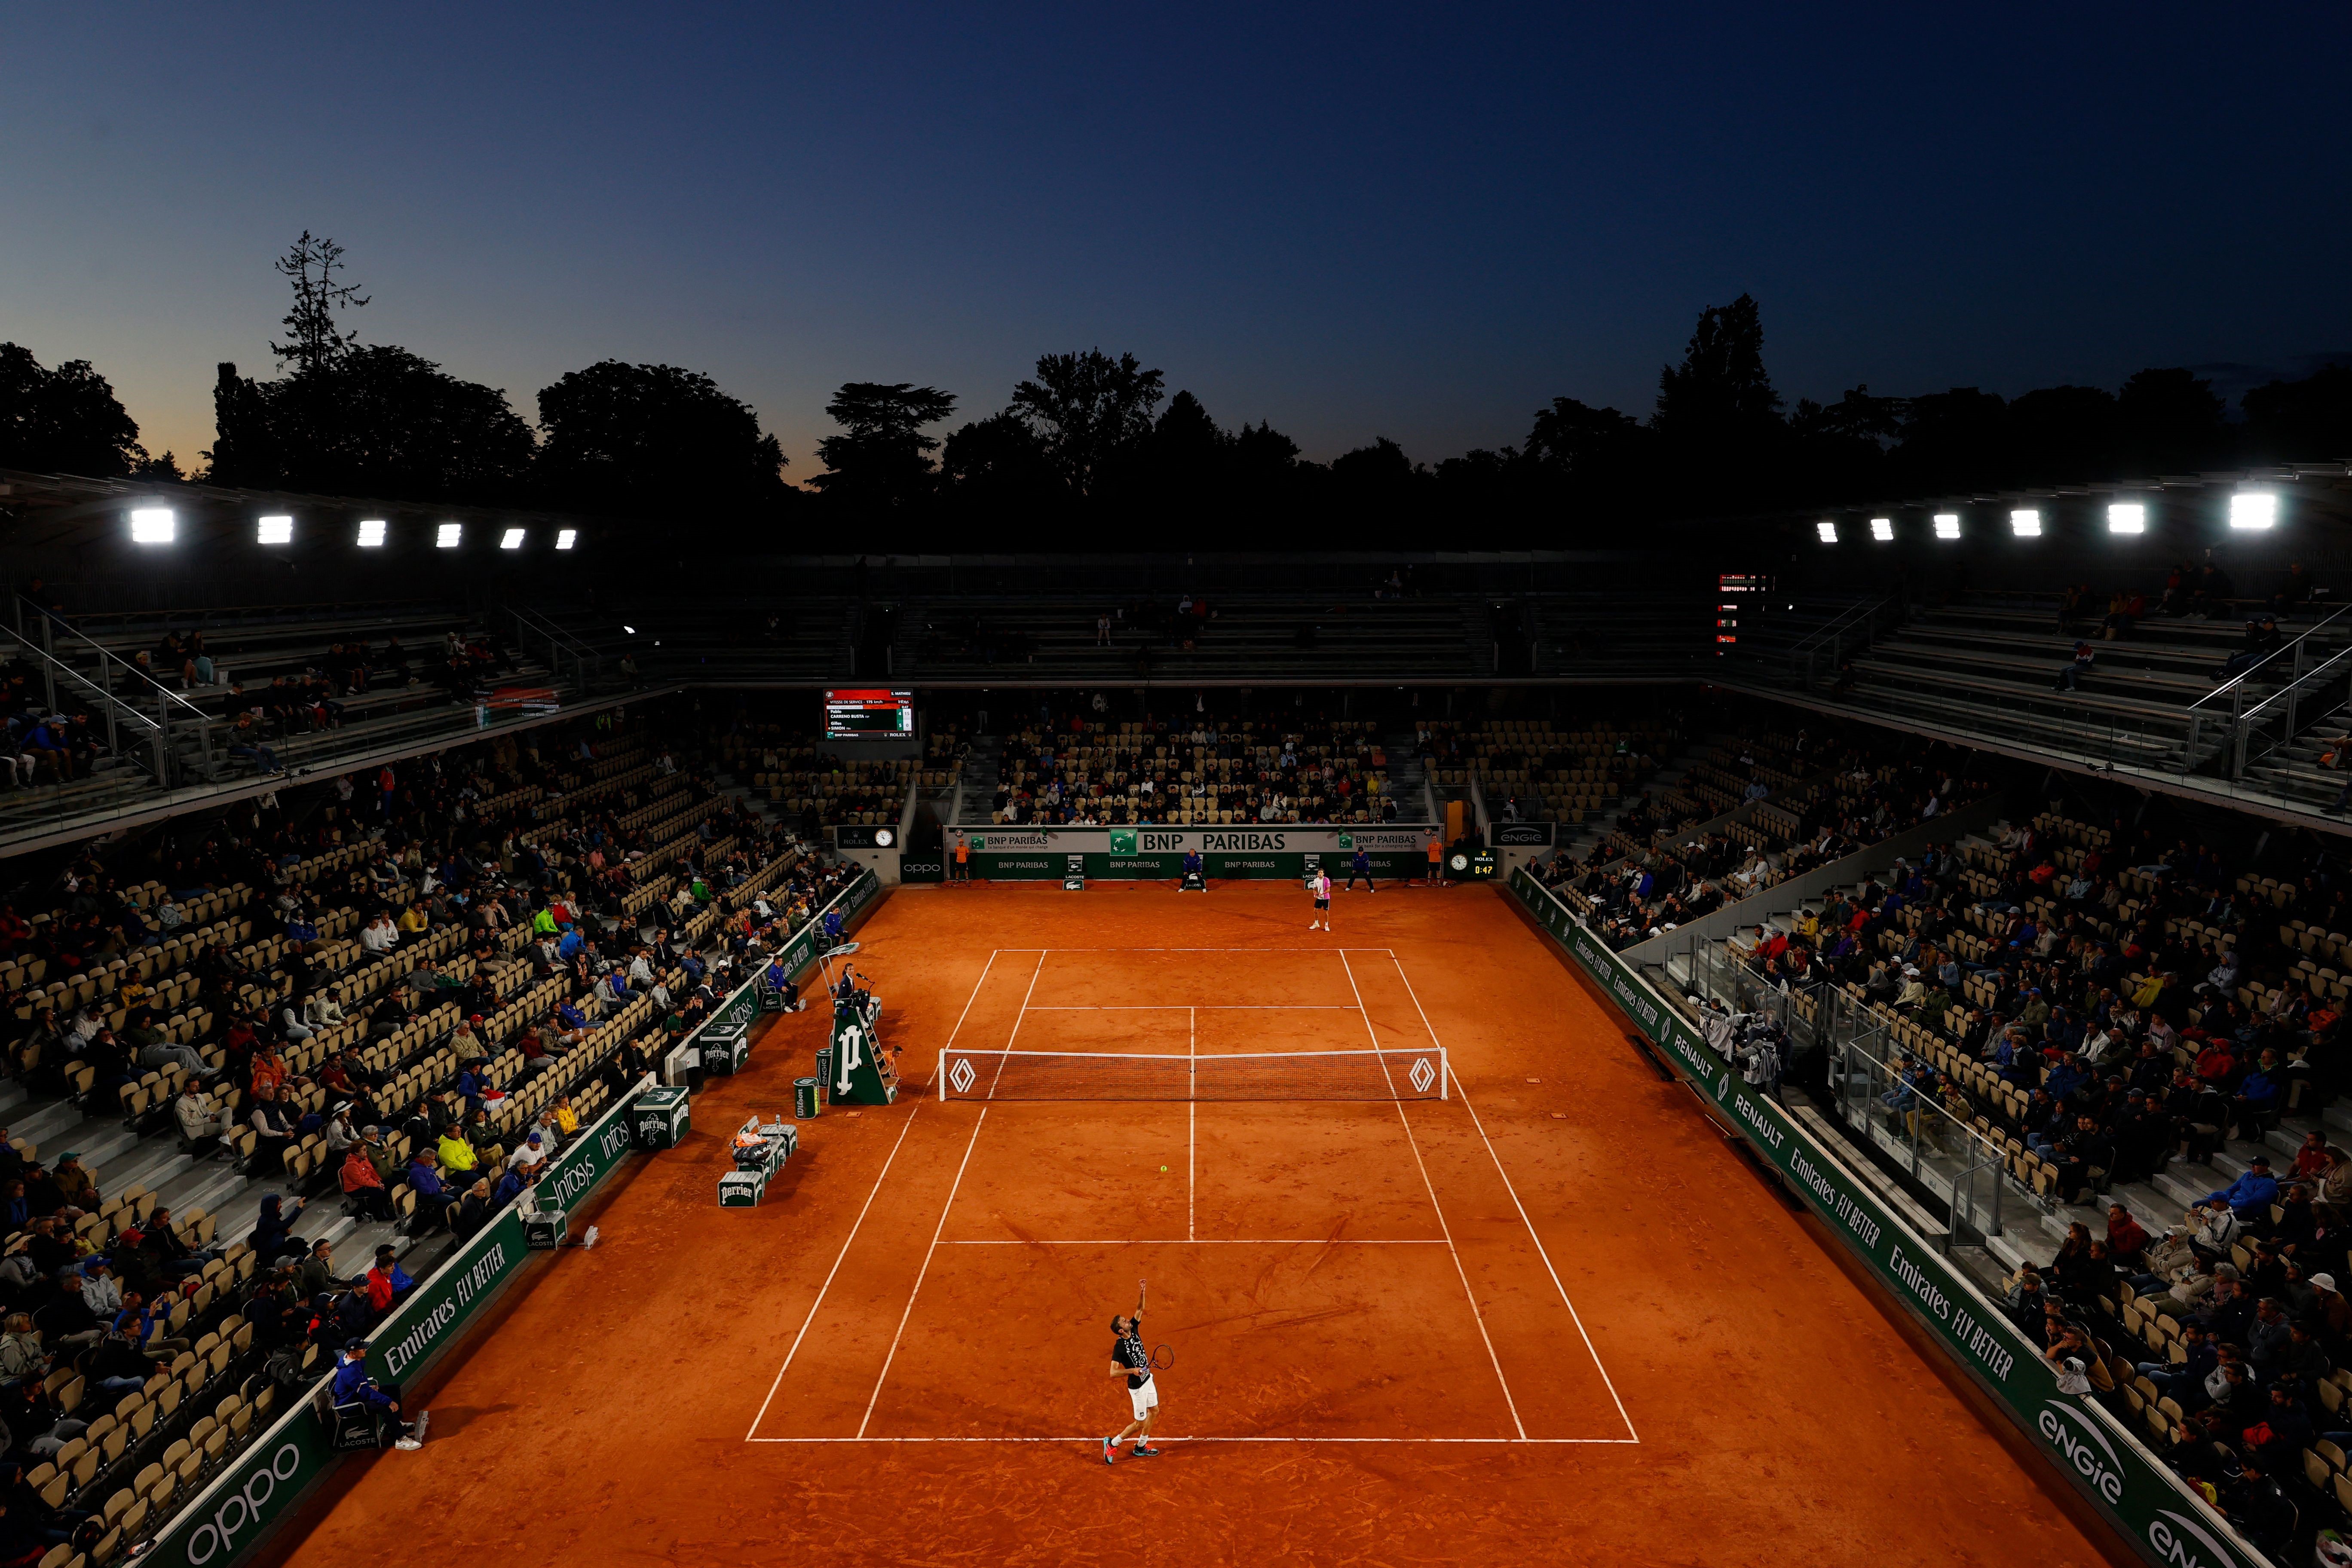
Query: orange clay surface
[(1376, 1359)]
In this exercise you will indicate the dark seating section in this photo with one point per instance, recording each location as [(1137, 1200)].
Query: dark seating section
[(2163, 684), (1540, 771), (1297, 636), (320, 680), (566, 908), (797, 774)]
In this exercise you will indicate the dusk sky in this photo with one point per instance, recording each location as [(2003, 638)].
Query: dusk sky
[(1349, 220)]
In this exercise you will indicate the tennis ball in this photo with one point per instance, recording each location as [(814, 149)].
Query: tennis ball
[(1163, 1167)]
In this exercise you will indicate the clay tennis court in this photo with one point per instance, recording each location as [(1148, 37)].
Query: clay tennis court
[(1529, 1320)]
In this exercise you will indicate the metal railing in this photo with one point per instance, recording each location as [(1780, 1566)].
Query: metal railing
[(587, 661), (1940, 1150), (2274, 721), (1851, 630), (2226, 708), (123, 721)]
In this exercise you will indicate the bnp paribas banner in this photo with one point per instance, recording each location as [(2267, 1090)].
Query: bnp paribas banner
[(2169, 1524), (1011, 854)]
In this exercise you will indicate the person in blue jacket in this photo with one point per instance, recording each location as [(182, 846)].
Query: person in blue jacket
[(2251, 1193), (354, 1385)]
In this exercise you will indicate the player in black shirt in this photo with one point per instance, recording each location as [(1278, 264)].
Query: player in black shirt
[(1130, 1360)]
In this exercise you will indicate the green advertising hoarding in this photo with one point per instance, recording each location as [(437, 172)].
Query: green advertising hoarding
[(256, 1490), (2154, 1509)]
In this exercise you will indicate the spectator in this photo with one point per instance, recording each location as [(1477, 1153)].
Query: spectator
[(386, 1284), (365, 1194)]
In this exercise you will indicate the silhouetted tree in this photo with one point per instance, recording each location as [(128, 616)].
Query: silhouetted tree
[(2062, 433), (1085, 409), (1838, 449), (998, 463), (882, 459), (1379, 486), (243, 452), (1717, 415), (654, 440), (2172, 421), (380, 421), (1955, 440), (313, 338), (2301, 421), (66, 420)]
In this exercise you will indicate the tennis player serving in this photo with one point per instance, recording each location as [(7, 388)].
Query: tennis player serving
[(1130, 1360)]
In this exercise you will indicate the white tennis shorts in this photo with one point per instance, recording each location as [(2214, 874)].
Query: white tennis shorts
[(1145, 1399)]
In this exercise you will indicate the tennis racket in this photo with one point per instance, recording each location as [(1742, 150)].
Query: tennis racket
[(1162, 1357)]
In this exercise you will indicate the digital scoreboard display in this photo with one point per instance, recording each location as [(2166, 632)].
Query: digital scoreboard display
[(869, 715)]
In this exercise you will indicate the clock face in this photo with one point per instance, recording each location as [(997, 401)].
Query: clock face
[(1461, 862), (884, 838)]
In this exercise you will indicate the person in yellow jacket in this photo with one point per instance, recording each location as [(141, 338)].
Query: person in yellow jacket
[(567, 1121), (456, 1154)]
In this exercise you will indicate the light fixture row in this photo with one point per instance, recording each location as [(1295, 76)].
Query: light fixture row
[(158, 525), (2249, 510)]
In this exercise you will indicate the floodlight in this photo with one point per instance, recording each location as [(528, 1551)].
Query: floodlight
[(511, 540), (1881, 528), (564, 536), (631, 631), (446, 536), (2248, 509), (1948, 525), (1828, 531), (2126, 517), (371, 533), (274, 530), (152, 525), (2025, 522)]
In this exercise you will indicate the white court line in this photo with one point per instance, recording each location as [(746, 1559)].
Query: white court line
[(1192, 1113), (966, 1009), (828, 1280), (970, 1144), (1500, 1442), (1018, 1019), (1211, 1241), (1186, 1008), (860, 1221), (977, 1123), (1427, 1185), (1541, 1251)]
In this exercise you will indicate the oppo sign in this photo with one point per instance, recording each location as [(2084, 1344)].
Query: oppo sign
[(241, 1510)]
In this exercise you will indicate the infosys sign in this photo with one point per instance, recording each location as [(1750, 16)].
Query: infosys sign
[(2168, 1523)]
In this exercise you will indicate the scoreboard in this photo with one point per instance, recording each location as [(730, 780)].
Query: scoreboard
[(872, 715)]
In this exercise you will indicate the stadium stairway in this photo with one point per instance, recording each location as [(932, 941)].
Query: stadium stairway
[(1407, 775), (983, 767), (119, 1159)]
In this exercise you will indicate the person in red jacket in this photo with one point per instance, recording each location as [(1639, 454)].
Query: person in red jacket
[(363, 1185)]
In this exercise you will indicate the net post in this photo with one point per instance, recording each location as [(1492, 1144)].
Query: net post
[(1445, 1076)]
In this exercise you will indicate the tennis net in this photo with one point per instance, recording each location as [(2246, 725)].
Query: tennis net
[(1418, 1074)]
